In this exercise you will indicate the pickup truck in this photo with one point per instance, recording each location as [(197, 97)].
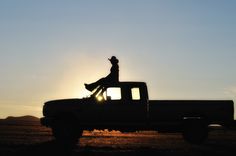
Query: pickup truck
[(125, 106)]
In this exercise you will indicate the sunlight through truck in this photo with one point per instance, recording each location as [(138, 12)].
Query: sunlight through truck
[(125, 106)]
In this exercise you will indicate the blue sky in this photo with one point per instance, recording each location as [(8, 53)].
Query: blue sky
[(183, 49)]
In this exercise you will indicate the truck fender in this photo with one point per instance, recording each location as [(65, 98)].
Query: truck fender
[(69, 117)]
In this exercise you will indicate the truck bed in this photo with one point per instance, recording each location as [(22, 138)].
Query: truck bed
[(214, 111)]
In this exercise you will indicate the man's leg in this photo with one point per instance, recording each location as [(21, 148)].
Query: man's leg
[(94, 85)]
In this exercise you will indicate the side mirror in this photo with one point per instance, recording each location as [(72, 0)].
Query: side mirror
[(108, 98)]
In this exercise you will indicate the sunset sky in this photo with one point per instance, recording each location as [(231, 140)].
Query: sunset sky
[(183, 49)]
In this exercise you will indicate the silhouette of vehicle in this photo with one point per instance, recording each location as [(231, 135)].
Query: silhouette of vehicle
[(125, 106)]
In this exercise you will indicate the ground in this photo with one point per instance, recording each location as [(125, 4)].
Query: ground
[(37, 140)]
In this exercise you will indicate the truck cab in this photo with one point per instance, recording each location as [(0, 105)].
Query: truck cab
[(113, 107)]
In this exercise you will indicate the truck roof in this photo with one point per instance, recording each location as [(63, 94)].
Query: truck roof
[(128, 83)]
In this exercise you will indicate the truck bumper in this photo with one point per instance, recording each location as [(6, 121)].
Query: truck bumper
[(46, 121)]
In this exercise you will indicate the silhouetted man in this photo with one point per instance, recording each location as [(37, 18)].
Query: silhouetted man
[(112, 78)]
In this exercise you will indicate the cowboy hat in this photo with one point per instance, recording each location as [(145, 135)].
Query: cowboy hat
[(113, 59)]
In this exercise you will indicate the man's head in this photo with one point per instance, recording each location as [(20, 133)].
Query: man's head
[(113, 60)]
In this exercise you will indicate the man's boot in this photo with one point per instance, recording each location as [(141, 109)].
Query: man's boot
[(89, 87)]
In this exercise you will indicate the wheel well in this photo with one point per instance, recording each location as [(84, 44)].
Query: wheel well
[(195, 117)]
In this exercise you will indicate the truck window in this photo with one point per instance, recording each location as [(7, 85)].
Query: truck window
[(135, 94), (114, 93)]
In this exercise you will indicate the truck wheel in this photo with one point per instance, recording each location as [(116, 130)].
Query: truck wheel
[(66, 132), (195, 132)]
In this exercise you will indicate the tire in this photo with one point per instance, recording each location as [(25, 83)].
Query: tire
[(66, 131), (195, 132)]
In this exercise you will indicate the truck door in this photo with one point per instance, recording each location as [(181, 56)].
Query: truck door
[(124, 106), (134, 106)]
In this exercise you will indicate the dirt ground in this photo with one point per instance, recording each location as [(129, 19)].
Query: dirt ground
[(38, 141)]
